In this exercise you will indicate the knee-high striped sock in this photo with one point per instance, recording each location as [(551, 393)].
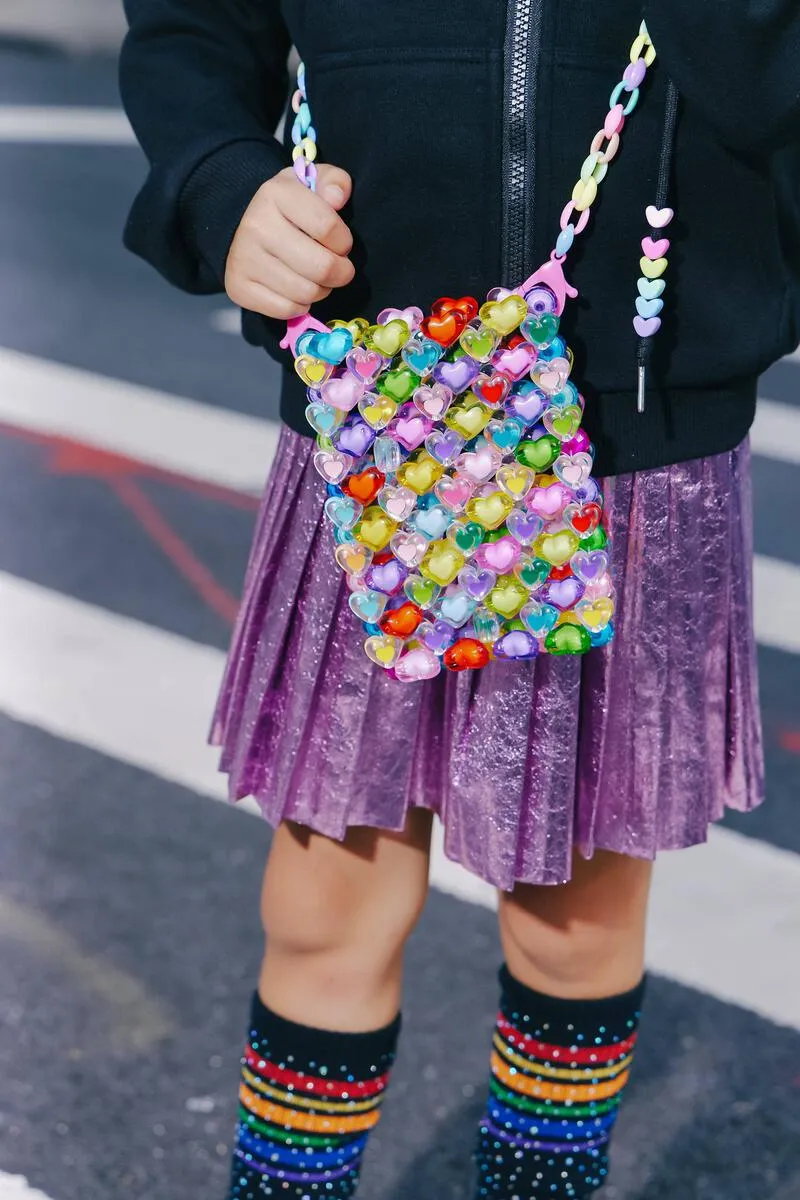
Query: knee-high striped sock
[(559, 1068), (308, 1100)]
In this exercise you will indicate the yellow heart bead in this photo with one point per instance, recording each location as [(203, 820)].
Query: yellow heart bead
[(490, 511), (353, 558), (442, 562), (383, 650), (516, 481), (357, 328), (375, 528), (377, 410), (312, 371), (469, 417), (387, 339), (556, 548), (507, 597), (595, 614), (420, 473), (653, 268), (504, 316)]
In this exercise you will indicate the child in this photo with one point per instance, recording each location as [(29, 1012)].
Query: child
[(455, 135)]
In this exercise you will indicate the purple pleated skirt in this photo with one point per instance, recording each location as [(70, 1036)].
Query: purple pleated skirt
[(635, 748)]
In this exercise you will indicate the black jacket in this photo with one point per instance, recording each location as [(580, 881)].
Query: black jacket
[(460, 177)]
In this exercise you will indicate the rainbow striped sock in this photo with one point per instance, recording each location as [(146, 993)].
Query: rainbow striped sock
[(559, 1068), (308, 1100)]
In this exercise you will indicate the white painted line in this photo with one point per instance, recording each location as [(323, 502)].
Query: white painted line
[(16, 1187), (169, 432), (226, 320), (144, 697), (777, 604), (70, 126), (776, 431)]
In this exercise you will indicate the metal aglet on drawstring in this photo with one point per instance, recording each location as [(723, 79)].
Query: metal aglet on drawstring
[(655, 246)]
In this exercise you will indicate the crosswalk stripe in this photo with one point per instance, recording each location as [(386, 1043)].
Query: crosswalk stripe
[(776, 432), (234, 450), (16, 1187), (143, 696), (30, 124)]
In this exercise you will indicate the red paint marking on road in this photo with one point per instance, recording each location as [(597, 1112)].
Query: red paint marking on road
[(177, 551), (789, 739), (77, 458)]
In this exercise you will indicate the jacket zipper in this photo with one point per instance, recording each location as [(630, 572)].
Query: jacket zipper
[(522, 52)]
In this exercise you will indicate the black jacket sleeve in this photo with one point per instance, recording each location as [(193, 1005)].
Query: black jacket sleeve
[(738, 61), (204, 83)]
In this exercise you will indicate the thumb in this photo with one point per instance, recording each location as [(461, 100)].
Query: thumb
[(334, 185)]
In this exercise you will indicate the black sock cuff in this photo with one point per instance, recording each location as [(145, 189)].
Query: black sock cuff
[(342, 1055), (559, 1021)]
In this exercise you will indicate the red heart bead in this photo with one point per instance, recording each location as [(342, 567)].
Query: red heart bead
[(364, 487), (466, 305), (467, 654), (403, 621), (563, 572), (444, 328), (587, 520)]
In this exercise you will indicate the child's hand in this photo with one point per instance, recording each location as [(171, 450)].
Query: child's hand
[(291, 247)]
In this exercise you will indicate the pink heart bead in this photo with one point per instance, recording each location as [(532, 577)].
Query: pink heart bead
[(343, 392), (416, 665), (658, 218), (654, 250), (412, 316)]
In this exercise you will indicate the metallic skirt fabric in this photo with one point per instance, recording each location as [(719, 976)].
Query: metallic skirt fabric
[(635, 748)]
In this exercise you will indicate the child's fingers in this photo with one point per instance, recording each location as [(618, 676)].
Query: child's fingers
[(271, 273), (306, 256), (256, 297), (314, 215)]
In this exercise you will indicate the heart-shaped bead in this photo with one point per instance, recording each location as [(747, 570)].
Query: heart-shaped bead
[(466, 536), (595, 614), (590, 564), (479, 465), (504, 435), (596, 540), (523, 526), (332, 466), (516, 646), (466, 305), (403, 620), (312, 371), (573, 469), (651, 289), (431, 522), (658, 218), (515, 361), (433, 400), (423, 592), (353, 558), (375, 529), (653, 269), (397, 502), (411, 428), (322, 417), (356, 328), (421, 354), (343, 511), (646, 327), (507, 597), (399, 384), (478, 341), (457, 375), (504, 316), (532, 572), (515, 480), (500, 556), (491, 389), (387, 339), (584, 519), (453, 492), (456, 607), (556, 548), (409, 547), (377, 411), (467, 654), (437, 635), (412, 316), (444, 327), (538, 454), (551, 375), (549, 500), (365, 365), (563, 423), (331, 347), (654, 250), (540, 330), (579, 444), (489, 511), (539, 617), (442, 562), (417, 665), (567, 639), (602, 586), (444, 445), (368, 606), (477, 581), (420, 473), (529, 403), (468, 418), (382, 650), (648, 308), (342, 392), (354, 438), (365, 486), (387, 577), (563, 593)]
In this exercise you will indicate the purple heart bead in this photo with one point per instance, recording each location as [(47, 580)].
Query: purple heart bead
[(589, 492), (589, 564), (387, 577), (457, 375), (563, 593), (525, 527), (516, 645), (439, 636), (445, 445), (529, 405), (477, 583), (355, 438)]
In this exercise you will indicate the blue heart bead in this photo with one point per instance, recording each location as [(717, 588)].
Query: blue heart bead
[(651, 289), (648, 308)]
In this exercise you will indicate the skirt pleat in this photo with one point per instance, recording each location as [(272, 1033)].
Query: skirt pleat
[(636, 748)]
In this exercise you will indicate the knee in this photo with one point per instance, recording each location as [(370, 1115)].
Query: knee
[(560, 956)]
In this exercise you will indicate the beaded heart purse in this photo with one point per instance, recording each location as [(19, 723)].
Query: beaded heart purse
[(460, 490)]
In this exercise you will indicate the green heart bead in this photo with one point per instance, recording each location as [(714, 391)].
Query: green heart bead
[(422, 591), (467, 537), (540, 454), (494, 535), (478, 342), (516, 624), (596, 540), (568, 639), (534, 572), (399, 384), (541, 330)]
